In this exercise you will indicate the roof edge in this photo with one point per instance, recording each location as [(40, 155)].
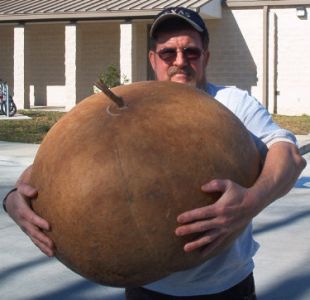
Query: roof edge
[(107, 15), (274, 3)]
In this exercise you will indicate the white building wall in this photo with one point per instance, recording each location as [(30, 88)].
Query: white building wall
[(237, 56), (292, 62), (250, 23), (272, 66), (236, 45)]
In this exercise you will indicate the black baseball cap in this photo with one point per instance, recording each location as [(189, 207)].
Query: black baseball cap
[(188, 15)]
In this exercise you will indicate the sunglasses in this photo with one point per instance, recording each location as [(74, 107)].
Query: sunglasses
[(169, 54)]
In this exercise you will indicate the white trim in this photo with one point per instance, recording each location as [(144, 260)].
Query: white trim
[(126, 40), (70, 65), (19, 66)]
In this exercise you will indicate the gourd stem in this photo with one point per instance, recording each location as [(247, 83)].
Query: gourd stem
[(116, 99)]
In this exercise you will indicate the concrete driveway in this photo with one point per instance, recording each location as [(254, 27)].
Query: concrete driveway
[(282, 264)]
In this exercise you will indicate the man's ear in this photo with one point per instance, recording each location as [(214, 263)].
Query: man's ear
[(206, 57), (152, 59)]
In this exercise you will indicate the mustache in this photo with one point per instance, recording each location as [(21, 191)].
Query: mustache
[(173, 70)]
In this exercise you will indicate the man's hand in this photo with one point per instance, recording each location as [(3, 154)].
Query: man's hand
[(218, 221), (18, 208), (237, 205)]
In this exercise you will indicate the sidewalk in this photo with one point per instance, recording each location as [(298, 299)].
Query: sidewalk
[(282, 263), (17, 116)]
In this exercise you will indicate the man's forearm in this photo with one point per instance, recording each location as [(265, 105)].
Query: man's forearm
[(281, 169)]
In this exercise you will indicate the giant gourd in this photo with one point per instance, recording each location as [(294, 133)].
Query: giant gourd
[(111, 182)]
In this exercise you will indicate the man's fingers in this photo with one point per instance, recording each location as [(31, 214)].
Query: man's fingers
[(38, 221), (46, 249), (33, 225), (206, 212), (27, 190), (215, 185), (41, 240), (203, 241), (36, 233), (24, 215), (201, 226), (201, 213)]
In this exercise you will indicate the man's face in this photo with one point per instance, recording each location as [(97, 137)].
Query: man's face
[(180, 57)]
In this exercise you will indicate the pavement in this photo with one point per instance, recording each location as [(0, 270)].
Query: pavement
[(282, 264)]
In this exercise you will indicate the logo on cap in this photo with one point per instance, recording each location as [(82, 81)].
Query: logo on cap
[(190, 16)]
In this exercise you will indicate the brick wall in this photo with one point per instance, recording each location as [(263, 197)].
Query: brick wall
[(44, 64), (140, 51), (6, 55), (97, 48)]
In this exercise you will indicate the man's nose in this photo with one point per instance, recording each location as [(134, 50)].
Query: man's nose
[(180, 59)]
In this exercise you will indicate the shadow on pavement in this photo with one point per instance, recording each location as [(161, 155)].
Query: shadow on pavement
[(284, 222), (75, 292), (79, 290), (18, 268), (294, 287)]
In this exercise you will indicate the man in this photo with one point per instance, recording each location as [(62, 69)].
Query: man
[(180, 53)]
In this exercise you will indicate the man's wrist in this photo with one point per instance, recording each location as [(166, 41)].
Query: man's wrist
[(6, 197)]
